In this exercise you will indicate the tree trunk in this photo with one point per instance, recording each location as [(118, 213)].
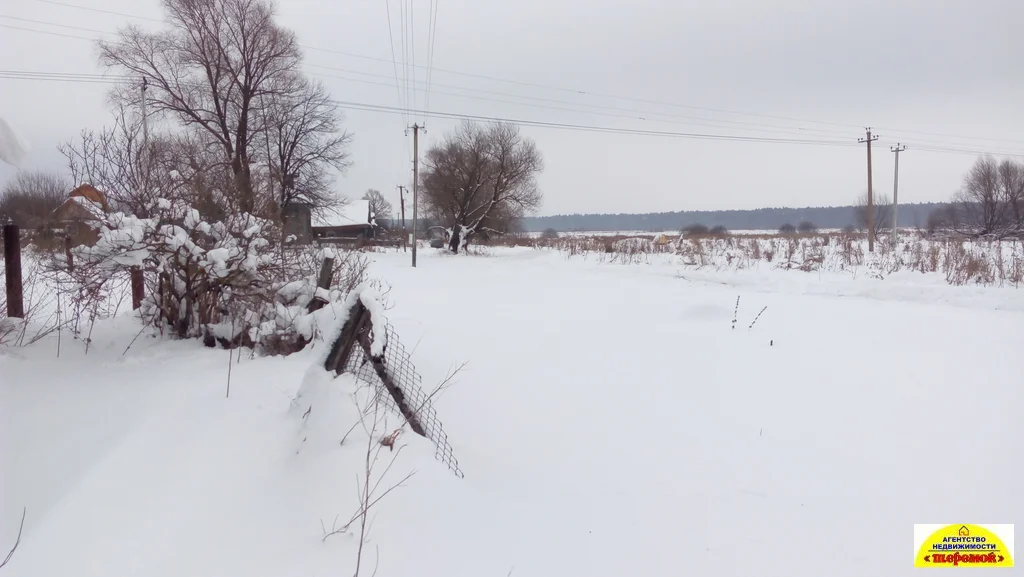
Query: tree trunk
[(243, 183), (453, 242)]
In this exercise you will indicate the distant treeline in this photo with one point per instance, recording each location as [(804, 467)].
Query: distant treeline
[(910, 216)]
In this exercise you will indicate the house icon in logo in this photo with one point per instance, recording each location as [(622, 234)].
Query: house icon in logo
[(964, 531)]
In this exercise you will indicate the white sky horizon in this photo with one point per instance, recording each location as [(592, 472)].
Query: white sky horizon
[(941, 77)]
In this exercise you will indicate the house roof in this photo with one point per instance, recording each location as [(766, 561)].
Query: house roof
[(83, 203), (90, 192), (79, 208), (354, 212)]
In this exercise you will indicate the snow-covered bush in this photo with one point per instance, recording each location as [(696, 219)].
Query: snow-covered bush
[(228, 282)]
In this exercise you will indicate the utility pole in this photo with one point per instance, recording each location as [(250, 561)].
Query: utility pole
[(415, 185), (871, 198), (401, 201), (895, 189), (145, 138), (138, 279)]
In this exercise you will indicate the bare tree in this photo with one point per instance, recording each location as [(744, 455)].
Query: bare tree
[(30, 198), (942, 219), (696, 229), (807, 227), (882, 213), (480, 179), (302, 128), (208, 71), (1011, 184), (991, 200), (379, 206), (114, 161)]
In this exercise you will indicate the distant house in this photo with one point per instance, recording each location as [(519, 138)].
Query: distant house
[(298, 225), (354, 221), (81, 215)]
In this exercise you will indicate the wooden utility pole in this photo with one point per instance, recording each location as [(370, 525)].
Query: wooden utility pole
[(871, 198), (896, 189), (401, 202), (415, 185), (138, 280)]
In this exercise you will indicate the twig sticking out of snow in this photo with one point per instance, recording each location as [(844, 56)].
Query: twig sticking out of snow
[(757, 317), (736, 311), (18, 540), (368, 490)]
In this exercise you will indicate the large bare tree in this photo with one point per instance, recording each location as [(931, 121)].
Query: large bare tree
[(379, 206), (991, 200), (480, 179), (305, 142), (882, 213), (208, 71), (30, 197)]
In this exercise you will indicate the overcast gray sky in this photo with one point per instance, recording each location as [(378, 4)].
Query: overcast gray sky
[(934, 74)]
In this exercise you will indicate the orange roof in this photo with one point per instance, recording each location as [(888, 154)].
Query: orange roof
[(88, 191)]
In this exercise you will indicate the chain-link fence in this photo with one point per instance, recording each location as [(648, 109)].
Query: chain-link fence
[(393, 375)]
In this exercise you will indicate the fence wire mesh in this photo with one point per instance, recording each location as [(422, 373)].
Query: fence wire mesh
[(399, 367)]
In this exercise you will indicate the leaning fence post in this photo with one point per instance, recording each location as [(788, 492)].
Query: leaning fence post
[(138, 287), (12, 268), (324, 282)]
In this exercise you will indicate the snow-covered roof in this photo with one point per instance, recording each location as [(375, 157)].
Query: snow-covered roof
[(85, 209), (354, 212)]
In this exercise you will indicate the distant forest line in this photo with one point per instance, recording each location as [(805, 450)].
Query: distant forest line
[(910, 216)]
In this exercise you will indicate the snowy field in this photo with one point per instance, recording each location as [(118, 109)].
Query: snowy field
[(611, 421), (738, 232)]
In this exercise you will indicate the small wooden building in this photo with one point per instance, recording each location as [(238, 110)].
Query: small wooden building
[(354, 221), (81, 216)]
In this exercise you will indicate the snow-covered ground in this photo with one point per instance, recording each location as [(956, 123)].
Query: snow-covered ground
[(737, 232), (610, 422)]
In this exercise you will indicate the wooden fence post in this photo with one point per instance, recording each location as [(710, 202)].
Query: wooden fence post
[(324, 282), (138, 287), (12, 268)]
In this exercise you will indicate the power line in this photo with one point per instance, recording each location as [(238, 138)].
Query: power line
[(412, 47), (634, 114), (431, 41), (391, 38), (8, 26), (405, 56), (637, 114), (496, 79), (369, 107), (923, 145), (452, 115), (529, 84), (414, 86), (31, 21), (100, 11), (711, 124)]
